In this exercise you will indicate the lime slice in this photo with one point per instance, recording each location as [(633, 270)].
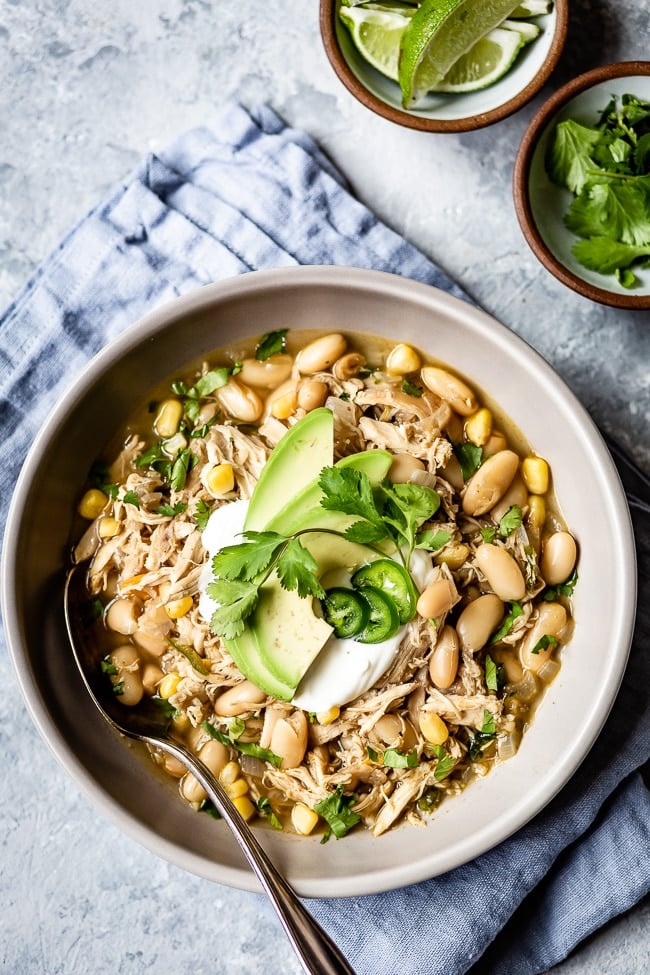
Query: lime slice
[(376, 31), (487, 61), (438, 34)]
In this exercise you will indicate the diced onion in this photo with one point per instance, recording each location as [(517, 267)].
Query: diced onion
[(252, 766), (508, 745), (526, 688), (549, 670)]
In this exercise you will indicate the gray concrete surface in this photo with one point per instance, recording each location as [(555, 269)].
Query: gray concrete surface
[(87, 88)]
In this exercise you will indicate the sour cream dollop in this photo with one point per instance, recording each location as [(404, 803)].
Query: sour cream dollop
[(344, 668)]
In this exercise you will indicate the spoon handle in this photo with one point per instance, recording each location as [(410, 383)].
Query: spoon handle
[(317, 952)]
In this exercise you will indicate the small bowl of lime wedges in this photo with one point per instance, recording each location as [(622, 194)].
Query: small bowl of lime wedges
[(581, 184), (444, 65)]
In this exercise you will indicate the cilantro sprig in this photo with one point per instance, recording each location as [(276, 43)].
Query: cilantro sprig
[(337, 812), (607, 168)]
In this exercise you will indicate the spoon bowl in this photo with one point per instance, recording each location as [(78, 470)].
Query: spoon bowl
[(149, 723)]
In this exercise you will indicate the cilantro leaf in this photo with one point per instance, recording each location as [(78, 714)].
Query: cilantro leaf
[(491, 678), (544, 642), (169, 511), (366, 533), (245, 747), (480, 739), (237, 599), (445, 763), (507, 624), (563, 589), (411, 389), (568, 160), (393, 758), (470, 458), (605, 256), (510, 521), (337, 812), (182, 465), (432, 540), (248, 559), (131, 497), (488, 534), (297, 568), (211, 381), (266, 809), (620, 211), (270, 344), (202, 514), (350, 491)]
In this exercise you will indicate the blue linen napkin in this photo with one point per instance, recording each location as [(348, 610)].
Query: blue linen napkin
[(254, 194)]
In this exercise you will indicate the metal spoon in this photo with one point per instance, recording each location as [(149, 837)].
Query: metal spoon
[(318, 955)]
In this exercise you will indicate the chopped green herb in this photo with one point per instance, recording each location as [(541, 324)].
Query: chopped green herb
[(470, 458), (107, 666), (118, 687), (199, 433), (480, 739), (510, 521), (182, 465), (271, 344), (445, 763), (210, 382), (337, 812), (245, 747), (345, 397), (236, 728), (411, 389), (130, 497), (92, 610), (564, 589), (430, 799), (372, 754), (202, 514), (607, 168), (544, 642), (516, 610), (491, 674), (432, 540), (171, 511), (393, 758), (488, 535), (208, 807), (265, 808)]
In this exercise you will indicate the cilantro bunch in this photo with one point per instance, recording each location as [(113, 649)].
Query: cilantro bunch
[(608, 169)]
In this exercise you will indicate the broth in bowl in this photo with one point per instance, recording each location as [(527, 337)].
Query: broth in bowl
[(339, 567)]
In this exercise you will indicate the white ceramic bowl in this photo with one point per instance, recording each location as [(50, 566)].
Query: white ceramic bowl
[(115, 776)]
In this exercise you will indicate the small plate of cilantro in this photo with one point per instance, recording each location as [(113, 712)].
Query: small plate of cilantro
[(582, 184)]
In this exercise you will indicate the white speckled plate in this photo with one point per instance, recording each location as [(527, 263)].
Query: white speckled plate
[(443, 112), (542, 205)]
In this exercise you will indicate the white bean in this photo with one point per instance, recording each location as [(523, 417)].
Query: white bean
[(551, 620), (478, 621), (437, 599), (122, 615), (443, 663), (501, 571), (558, 558), (312, 394), (239, 699), (403, 467), (289, 739), (516, 494), (269, 373), (321, 353), (240, 402), (450, 388), (490, 482)]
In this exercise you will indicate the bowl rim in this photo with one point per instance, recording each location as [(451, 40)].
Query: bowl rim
[(327, 19), (521, 182), (268, 281)]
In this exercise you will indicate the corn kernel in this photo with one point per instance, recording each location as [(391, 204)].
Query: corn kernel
[(303, 819), (478, 427), (92, 504), (284, 406), (535, 473), (402, 359), (229, 773), (536, 511), (453, 555), (132, 582), (220, 480), (433, 728), (327, 717), (244, 807), (178, 608), (237, 788), (108, 527), (168, 418), (181, 723), (169, 685)]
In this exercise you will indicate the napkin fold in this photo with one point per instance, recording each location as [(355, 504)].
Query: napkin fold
[(254, 193)]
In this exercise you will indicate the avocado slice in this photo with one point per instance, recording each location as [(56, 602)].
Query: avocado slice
[(284, 636), (299, 457)]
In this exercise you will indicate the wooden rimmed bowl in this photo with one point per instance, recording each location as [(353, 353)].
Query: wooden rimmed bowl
[(541, 205), (442, 112)]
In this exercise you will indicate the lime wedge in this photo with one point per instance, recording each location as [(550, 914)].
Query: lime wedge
[(532, 8), (376, 31), (485, 62), (438, 34), (529, 32)]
